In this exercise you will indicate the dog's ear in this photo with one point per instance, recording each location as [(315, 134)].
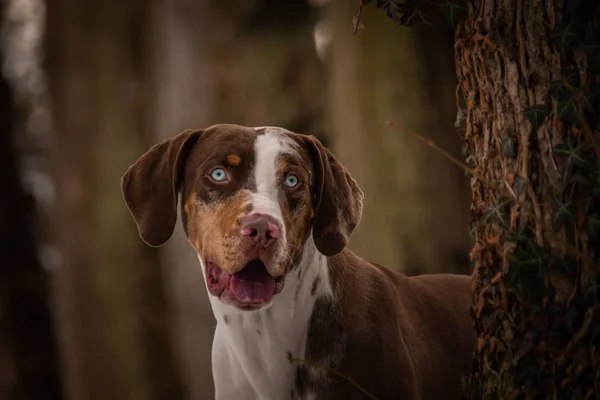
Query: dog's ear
[(151, 185), (337, 200)]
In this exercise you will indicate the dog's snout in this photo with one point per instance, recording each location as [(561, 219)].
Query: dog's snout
[(262, 229)]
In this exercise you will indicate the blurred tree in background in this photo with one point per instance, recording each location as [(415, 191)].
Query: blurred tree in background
[(135, 322), (117, 341), (406, 76), (29, 365)]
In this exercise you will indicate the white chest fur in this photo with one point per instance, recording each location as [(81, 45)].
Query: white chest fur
[(251, 350)]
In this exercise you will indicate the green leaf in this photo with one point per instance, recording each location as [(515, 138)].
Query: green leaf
[(566, 266), (594, 287), (498, 212), (563, 213), (520, 235), (537, 114), (573, 153), (567, 110), (452, 10), (520, 184), (411, 18), (559, 90), (563, 38), (593, 226), (508, 145), (588, 102), (532, 255), (570, 75)]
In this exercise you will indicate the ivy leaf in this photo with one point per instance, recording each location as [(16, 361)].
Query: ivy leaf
[(498, 212), (572, 151), (594, 287), (570, 74), (567, 110), (588, 102), (537, 114), (508, 146), (528, 264), (559, 90), (412, 17), (520, 184), (519, 236), (563, 213), (593, 226), (452, 10), (532, 255), (515, 283), (563, 39), (392, 9), (566, 267)]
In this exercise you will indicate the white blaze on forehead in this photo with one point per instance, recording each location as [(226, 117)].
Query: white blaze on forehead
[(267, 148)]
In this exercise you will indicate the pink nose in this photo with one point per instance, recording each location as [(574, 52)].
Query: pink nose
[(261, 228)]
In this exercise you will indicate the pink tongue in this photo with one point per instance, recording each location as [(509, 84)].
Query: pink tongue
[(249, 287)]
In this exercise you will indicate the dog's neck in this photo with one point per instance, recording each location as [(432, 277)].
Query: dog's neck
[(254, 352)]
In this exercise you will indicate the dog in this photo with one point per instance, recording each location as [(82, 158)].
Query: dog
[(299, 316)]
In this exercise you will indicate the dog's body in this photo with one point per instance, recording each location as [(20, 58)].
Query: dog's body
[(299, 316)]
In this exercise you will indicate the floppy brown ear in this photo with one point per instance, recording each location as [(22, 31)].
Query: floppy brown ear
[(337, 200), (151, 185)]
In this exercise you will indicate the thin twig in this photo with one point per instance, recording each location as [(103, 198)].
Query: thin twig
[(357, 22), (333, 371), (449, 156)]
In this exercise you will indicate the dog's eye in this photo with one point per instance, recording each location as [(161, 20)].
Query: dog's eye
[(291, 181), (218, 175)]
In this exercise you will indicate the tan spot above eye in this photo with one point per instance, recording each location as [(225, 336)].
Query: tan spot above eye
[(282, 165), (234, 160)]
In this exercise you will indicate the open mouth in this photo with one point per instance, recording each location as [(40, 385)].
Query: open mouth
[(252, 285)]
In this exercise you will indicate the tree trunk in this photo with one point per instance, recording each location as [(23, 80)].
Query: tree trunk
[(115, 327), (28, 351), (384, 73), (529, 75)]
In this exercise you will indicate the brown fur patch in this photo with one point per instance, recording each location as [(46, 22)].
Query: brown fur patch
[(213, 231), (408, 336), (234, 160)]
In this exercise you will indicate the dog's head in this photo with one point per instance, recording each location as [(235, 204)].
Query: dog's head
[(250, 198)]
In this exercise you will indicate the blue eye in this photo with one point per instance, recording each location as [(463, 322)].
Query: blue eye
[(291, 181), (218, 175)]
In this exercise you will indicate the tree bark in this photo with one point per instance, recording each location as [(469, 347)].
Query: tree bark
[(528, 73), (28, 353), (114, 314), (384, 73)]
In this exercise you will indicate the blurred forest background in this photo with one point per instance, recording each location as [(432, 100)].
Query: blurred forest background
[(87, 310)]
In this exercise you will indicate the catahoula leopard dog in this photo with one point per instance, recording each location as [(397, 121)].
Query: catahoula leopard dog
[(299, 316)]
